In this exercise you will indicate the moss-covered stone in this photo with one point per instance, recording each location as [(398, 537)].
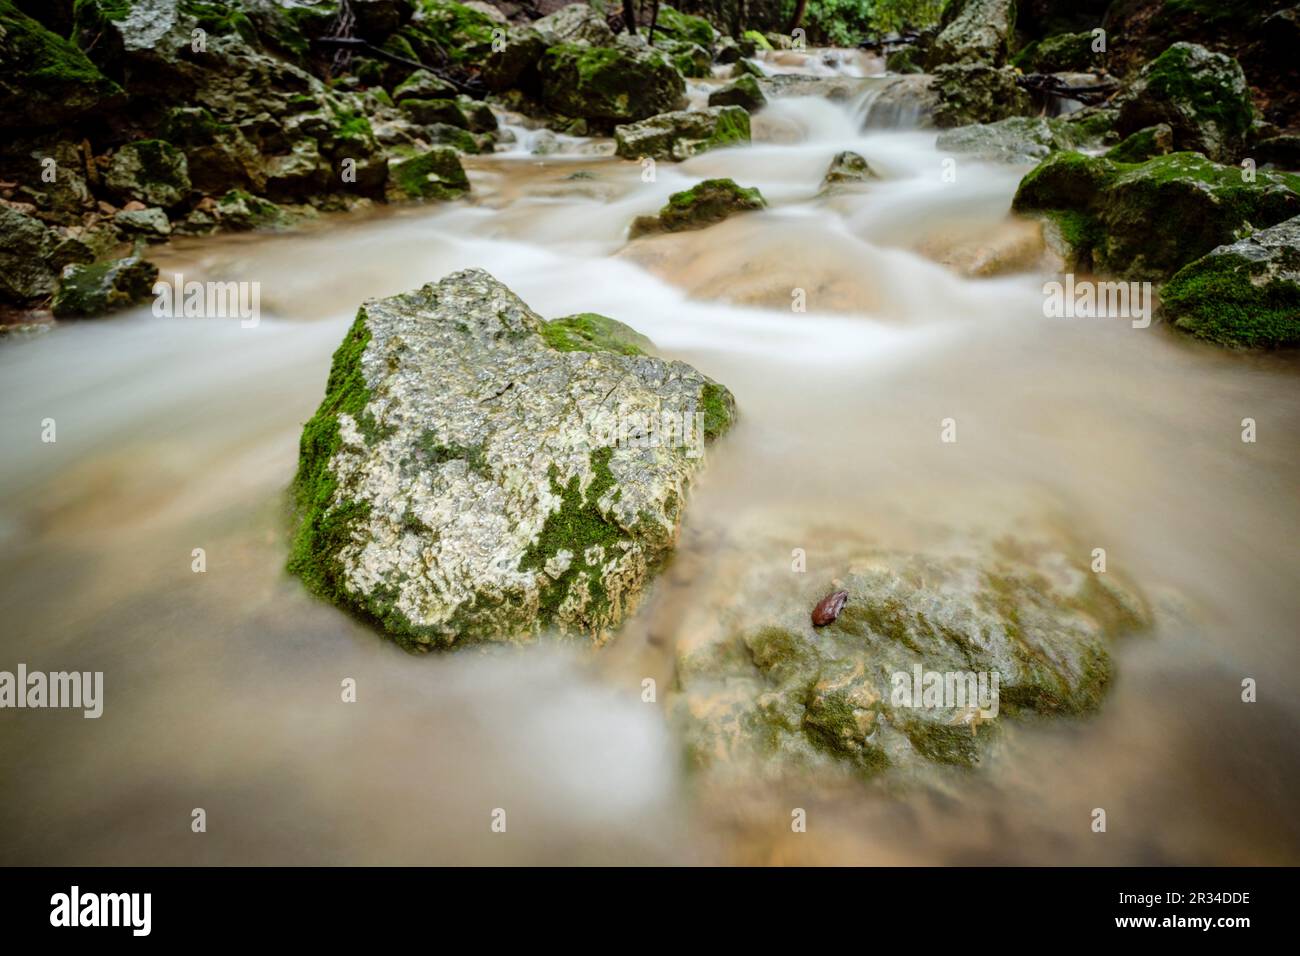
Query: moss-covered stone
[(426, 112), (151, 171), (1201, 96), (591, 332), (765, 692), (976, 93), (1060, 53), (102, 287), (1145, 144), (704, 204), (1147, 220), (44, 79), (609, 85), (1245, 294), (674, 25), (742, 91), (432, 174), (452, 487), (240, 210), (683, 133)]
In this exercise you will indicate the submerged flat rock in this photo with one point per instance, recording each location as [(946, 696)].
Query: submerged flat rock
[(477, 473), (930, 656)]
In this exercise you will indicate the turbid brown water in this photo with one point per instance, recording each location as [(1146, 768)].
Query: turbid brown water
[(222, 689)]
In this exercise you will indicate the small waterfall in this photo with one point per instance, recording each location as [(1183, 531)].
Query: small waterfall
[(898, 102)]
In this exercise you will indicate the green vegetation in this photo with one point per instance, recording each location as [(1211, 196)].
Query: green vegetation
[(1223, 298), (590, 332), (577, 526)]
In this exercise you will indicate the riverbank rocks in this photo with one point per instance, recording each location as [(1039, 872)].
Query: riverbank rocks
[(742, 91), (426, 174), (704, 204), (682, 134), (609, 85), (1201, 96), (974, 31), (464, 480), (968, 93), (32, 255), (102, 287), (1147, 220), (764, 693), (44, 79), (1244, 294), (1017, 139)]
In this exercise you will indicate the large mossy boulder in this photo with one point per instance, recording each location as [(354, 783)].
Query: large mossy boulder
[(609, 85), (44, 79), (1147, 220), (763, 693), (1201, 96), (682, 134), (1244, 294), (974, 31), (426, 174), (968, 93), (102, 287), (464, 479), (704, 204), (683, 27)]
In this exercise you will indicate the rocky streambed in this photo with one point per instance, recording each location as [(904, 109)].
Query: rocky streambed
[(656, 350)]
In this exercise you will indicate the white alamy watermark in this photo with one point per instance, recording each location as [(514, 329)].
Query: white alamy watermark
[(77, 690), (75, 908), (208, 300), (1073, 299), (665, 429), (947, 690)]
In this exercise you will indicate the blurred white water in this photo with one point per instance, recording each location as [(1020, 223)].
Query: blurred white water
[(223, 688)]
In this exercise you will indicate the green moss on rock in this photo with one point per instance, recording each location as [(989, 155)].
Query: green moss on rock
[(704, 204), (591, 332), (46, 80)]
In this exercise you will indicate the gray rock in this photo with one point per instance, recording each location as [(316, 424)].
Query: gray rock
[(683, 133), (31, 257), (743, 91), (847, 168), (975, 31), (148, 223), (102, 287), (151, 171), (1018, 139), (576, 23), (464, 480)]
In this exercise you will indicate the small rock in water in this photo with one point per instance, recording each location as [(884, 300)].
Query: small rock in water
[(829, 608)]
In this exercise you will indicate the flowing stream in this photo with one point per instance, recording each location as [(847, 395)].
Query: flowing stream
[(222, 689)]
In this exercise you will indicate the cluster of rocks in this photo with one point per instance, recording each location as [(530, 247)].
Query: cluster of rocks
[(128, 122), (1175, 177)]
